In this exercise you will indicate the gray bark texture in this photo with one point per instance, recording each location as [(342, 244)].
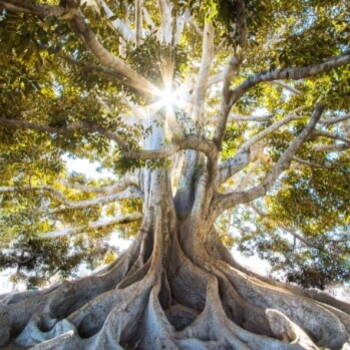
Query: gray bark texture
[(176, 287)]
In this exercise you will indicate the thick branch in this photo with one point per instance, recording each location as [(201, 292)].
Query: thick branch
[(232, 166), (206, 60), (242, 159), (233, 198), (189, 142), (78, 22), (166, 27), (34, 8), (231, 70), (294, 73), (122, 219), (122, 28)]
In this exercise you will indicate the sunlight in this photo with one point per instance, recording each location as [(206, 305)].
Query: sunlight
[(167, 97)]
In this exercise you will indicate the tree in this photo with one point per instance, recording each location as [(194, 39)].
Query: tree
[(165, 94)]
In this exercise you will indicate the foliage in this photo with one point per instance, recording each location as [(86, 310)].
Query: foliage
[(48, 76)]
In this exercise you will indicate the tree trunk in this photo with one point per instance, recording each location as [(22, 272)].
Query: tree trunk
[(176, 287)]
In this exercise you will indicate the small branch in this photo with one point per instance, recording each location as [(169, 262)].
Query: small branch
[(241, 118), (233, 198), (249, 118), (57, 194), (330, 136), (254, 139), (122, 219), (129, 193), (77, 126), (293, 233), (287, 87), (335, 120), (129, 180), (332, 148), (311, 164)]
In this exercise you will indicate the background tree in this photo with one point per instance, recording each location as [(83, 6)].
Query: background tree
[(202, 110)]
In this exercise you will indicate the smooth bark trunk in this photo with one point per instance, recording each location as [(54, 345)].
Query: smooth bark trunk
[(176, 287)]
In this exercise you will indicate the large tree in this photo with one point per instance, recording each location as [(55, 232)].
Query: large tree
[(200, 108)]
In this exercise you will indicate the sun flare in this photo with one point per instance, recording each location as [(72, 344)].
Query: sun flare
[(167, 97)]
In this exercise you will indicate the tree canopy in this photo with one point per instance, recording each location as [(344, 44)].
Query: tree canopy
[(217, 124), (78, 78)]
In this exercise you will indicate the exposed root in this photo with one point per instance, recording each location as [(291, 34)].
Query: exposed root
[(61, 300), (172, 300), (328, 329)]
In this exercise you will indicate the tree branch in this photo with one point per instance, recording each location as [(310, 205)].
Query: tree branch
[(166, 22), (231, 70), (206, 60), (57, 194), (126, 181), (293, 73), (189, 142), (122, 219), (291, 232), (331, 148), (287, 87), (231, 199), (335, 120), (329, 135), (138, 20), (79, 26), (249, 118), (242, 159), (131, 192), (232, 166), (121, 27), (311, 164)]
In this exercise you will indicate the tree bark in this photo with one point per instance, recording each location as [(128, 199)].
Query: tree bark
[(176, 287)]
